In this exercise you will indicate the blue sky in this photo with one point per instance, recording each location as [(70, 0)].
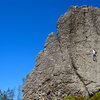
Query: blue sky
[(24, 27)]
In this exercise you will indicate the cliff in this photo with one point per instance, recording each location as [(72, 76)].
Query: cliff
[(65, 67)]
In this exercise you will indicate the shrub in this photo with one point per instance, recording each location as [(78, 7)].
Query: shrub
[(95, 97)]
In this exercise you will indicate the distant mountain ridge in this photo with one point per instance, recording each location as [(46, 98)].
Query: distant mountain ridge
[(65, 67)]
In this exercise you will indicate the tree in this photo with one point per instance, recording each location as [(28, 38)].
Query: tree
[(7, 95), (19, 97)]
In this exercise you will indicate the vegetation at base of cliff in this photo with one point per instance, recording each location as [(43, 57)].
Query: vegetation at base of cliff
[(95, 97)]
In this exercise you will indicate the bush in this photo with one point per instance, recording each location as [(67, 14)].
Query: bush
[(75, 98), (95, 97)]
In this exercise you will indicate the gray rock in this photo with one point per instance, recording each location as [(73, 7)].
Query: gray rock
[(65, 67)]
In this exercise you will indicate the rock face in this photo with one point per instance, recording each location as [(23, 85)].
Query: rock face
[(65, 67)]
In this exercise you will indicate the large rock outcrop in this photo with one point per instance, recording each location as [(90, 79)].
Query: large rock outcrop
[(65, 67)]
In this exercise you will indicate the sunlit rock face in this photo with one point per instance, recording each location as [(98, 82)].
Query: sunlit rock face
[(65, 67)]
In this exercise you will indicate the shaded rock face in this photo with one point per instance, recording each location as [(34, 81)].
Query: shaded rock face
[(65, 67)]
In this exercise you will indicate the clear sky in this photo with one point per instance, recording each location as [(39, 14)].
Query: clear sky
[(24, 27)]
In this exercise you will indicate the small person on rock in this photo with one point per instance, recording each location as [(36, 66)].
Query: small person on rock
[(94, 55)]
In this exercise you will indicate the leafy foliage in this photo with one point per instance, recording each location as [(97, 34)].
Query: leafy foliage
[(95, 97)]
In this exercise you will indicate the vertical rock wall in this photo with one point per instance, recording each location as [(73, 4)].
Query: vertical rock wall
[(65, 67)]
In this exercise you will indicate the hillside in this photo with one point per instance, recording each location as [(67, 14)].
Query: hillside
[(65, 67)]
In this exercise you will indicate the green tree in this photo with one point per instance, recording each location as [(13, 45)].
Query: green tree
[(7, 95)]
